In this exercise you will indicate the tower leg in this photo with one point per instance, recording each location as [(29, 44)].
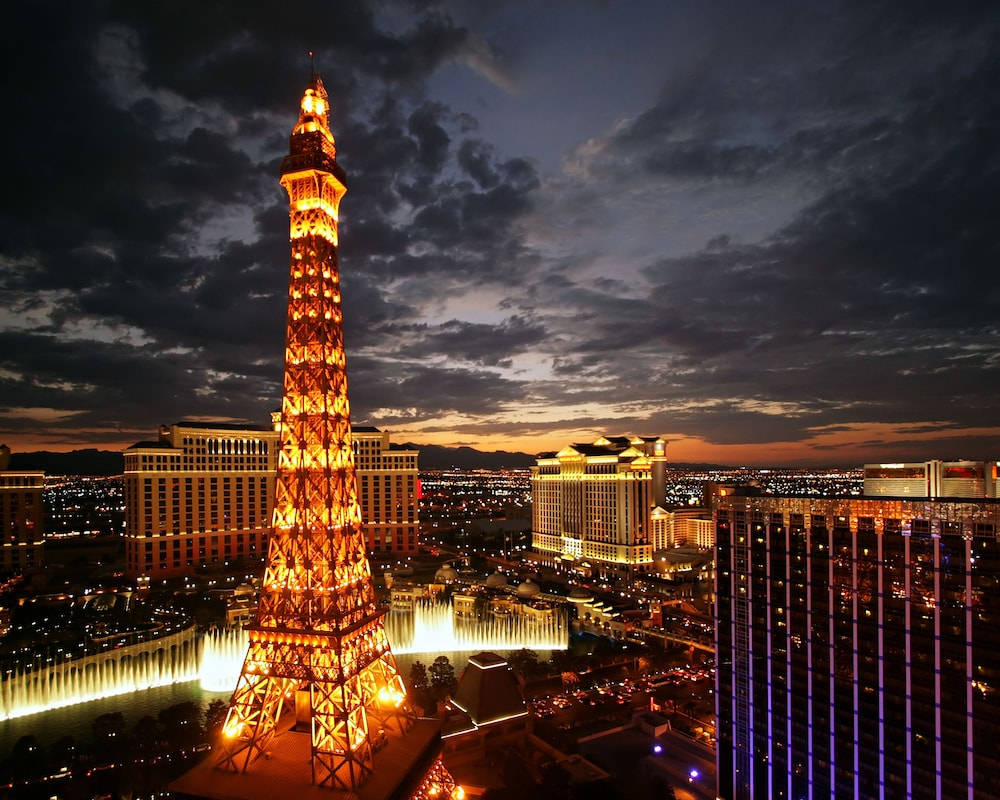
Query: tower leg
[(342, 751), (252, 719)]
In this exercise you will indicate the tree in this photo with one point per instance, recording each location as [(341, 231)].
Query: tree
[(420, 690), (145, 736), (418, 676), (524, 662), (569, 679), (62, 752), (442, 678), (605, 649), (109, 730), (563, 661), (26, 758), (215, 717), (181, 724)]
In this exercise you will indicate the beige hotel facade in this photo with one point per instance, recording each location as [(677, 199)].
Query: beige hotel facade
[(592, 504), (202, 495)]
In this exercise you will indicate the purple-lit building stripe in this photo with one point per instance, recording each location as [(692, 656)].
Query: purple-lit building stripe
[(899, 597), (881, 673), (909, 678)]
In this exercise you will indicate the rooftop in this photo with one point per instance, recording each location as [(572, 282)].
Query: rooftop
[(487, 690), (222, 426), (285, 771), (146, 445)]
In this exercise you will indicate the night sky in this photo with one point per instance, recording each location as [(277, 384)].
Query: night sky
[(767, 231)]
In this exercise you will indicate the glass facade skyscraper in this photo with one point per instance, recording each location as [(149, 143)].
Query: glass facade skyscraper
[(858, 648)]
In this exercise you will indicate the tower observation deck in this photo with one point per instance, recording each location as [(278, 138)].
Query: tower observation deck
[(319, 704)]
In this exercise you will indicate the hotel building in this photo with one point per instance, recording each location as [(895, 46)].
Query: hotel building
[(21, 528), (682, 527), (592, 504), (858, 650), (388, 491), (203, 494), (932, 479)]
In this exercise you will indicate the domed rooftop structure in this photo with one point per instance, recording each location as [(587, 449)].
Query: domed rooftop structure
[(446, 574), (496, 581), (528, 589)]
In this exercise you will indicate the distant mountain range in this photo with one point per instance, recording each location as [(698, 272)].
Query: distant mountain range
[(76, 462), (108, 462), (432, 456)]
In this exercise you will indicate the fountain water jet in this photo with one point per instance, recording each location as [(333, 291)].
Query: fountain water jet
[(433, 628), (222, 657), (158, 662), (430, 628)]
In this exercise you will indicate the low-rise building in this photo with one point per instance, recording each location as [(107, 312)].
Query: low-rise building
[(681, 527)]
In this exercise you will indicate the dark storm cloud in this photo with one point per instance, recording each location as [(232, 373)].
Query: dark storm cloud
[(480, 343), (794, 86), (143, 236), (145, 246), (475, 157), (403, 392), (432, 139), (239, 53), (106, 383), (878, 301)]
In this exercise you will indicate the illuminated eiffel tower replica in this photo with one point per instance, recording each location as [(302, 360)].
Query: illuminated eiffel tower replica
[(318, 645)]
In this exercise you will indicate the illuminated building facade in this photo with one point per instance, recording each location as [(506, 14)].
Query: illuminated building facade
[(592, 503), (681, 527), (21, 517), (201, 494), (387, 487), (858, 648), (933, 479), (318, 642)]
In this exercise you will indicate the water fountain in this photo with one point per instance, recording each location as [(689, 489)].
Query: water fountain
[(157, 662), (430, 628), (222, 655), (433, 628)]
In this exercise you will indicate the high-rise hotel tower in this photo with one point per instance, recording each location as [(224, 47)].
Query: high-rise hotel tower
[(319, 704), (199, 495), (592, 504), (203, 493), (21, 516), (858, 648)]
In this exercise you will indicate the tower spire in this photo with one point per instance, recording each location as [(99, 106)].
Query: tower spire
[(318, 641)]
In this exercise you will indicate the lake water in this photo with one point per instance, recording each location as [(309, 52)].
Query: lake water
[(76, 720)]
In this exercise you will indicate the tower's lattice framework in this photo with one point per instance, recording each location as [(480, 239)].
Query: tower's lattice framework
[(318, 639)]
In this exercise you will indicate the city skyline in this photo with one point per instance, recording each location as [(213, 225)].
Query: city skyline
[(761, 233)]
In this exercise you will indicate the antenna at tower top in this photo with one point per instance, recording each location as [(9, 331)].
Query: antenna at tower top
[(312, 67)]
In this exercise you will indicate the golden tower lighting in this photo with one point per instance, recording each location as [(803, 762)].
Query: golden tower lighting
[(318, 644)]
